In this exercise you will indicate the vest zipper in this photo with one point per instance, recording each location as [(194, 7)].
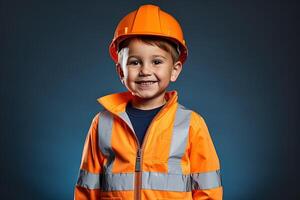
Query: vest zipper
[(141, 152), (139, 158), (137, 172), (138, 161), (137, 185)]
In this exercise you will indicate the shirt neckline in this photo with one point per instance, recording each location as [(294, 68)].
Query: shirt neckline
[(139, 112)]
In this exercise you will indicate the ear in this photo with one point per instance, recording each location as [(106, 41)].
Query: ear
[(177, 67), (120, 72)]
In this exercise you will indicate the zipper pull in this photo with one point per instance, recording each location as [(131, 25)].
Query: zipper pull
[(138, 161)]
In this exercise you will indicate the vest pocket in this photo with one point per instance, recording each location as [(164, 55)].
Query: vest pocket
[(111, 198)]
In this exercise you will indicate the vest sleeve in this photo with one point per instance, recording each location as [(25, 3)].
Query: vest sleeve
[(88, 183), (204, 163)]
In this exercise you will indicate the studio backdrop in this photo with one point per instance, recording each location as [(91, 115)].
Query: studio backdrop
[(240, 75)]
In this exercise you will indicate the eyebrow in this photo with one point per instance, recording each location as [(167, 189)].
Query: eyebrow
[(133, 56), (138, 57), (159, 56)]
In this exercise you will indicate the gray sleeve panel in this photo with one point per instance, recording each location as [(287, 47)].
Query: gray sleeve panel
[(88, 180), (207, 180)]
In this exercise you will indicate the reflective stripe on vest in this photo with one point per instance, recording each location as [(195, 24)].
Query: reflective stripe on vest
[(174, 180), (125, 117), (88, 180), (105, 124), (181, 182), (150, 181), (179, 139), (208, 180)]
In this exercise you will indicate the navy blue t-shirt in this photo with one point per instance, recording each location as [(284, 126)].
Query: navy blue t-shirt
[(141, 119)]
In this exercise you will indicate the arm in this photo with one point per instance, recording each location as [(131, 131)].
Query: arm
[(88, 183), (205, 166)]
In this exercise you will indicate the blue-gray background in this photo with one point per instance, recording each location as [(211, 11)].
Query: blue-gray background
[(240, 76)]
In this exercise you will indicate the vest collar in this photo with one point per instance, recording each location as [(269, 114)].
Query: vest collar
[(117, 102)]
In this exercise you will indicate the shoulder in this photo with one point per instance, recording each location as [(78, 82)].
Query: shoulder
[(94, 122), (100, 116), (95, 118), (197, 122)]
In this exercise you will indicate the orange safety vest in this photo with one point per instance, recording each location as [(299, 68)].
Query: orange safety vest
[(177, 159)]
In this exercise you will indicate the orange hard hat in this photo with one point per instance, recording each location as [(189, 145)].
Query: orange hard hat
[(149, 20)]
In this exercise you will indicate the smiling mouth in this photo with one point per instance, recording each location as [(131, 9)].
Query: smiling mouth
[(145, 83)]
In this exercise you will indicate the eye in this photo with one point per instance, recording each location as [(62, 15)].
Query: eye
[(133, 62), (157, 62)]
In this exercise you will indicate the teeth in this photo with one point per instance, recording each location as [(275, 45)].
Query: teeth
[(147, 83)]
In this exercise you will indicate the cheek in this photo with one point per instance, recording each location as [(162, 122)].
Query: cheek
[(164, 75), (131, 75)]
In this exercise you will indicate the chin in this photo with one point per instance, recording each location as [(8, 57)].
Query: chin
[(145, 94), (149, 94)]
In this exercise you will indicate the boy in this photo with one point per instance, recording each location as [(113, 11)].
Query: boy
[(145, 145)]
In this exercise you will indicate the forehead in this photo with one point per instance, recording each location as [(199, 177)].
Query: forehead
[(136, 46)]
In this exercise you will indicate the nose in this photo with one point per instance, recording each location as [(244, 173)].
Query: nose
[(145, 70)]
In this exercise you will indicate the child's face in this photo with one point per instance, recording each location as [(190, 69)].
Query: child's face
[(146, 70)]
